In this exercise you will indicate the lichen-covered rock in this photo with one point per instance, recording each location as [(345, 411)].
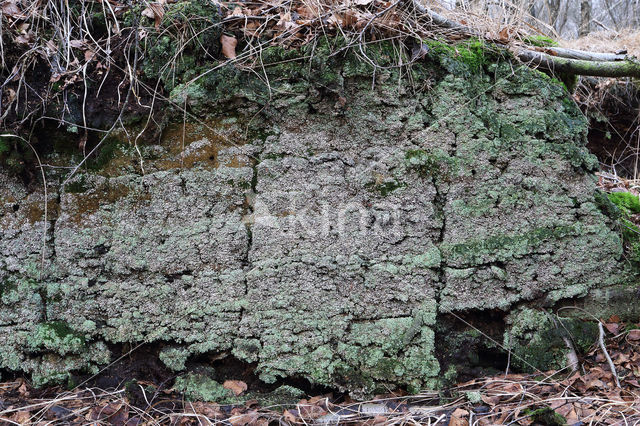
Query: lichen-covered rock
[(320, 231)]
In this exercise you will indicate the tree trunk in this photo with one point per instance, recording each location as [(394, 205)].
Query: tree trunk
[(585, 17)]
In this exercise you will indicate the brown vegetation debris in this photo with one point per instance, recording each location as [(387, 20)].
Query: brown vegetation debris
[(587, 396)]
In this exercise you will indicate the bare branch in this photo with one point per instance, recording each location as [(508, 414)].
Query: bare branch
[(558, 64)]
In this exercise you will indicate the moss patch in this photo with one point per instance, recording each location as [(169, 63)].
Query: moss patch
[(536, 339), (628, 205)]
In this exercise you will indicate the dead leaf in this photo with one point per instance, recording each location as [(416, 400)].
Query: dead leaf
[(245, 419), (612, 327), (211, 411), (310, 411), (22, 417), (25, 38), (23, 390), (634, 335), (89, 55), (11, 95), (51, 46), (10, 8), (505, 34), (235, 386), (229, 44), (290, 416), (76, 44), (459, 417), (113, 413), (490, 400), (154, 11)]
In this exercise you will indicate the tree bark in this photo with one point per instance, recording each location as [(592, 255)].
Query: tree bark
[(585, 17)]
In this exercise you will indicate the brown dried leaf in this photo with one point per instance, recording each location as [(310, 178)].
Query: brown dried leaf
[(155, 11), (491, 400), (310, 411), (229, 44), (11, 95), (612, 327), (290, 417), (459, 417), (22, 417), (115, 413), (505, 34), (249, 418), (76, 44), (211, 411), (23, 390), (634, 335), (51, 46), (235, 386), (89, 55), (306, 13), (10, 8), (25, 38)]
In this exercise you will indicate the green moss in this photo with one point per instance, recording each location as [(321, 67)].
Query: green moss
[(467, 57), (279, 398), (108, 151), (628, 204), (187, 40), (473, 397), (540, 41), (536, 339), (5, 146), (545, 416), (57, 378)]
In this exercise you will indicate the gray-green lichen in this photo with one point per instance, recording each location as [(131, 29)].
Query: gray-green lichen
[(200, 387), (320, 231)]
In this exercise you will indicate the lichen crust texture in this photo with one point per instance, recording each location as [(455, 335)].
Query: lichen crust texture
[(324, 244)]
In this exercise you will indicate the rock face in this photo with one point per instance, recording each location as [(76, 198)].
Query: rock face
[(327, 244)]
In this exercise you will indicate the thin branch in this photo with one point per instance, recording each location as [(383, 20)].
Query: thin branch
[(606, 354)]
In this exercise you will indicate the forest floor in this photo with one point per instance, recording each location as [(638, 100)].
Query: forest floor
[(589, 395)]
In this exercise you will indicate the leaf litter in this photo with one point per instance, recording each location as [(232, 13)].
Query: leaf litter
[(588, 396)]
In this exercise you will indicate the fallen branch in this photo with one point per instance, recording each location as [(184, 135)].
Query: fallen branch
[(606, 354), (626, 68), (558, 60), (584, 55)]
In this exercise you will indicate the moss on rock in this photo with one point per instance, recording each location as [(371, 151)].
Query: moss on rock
[(537, 339), (322, 225)]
